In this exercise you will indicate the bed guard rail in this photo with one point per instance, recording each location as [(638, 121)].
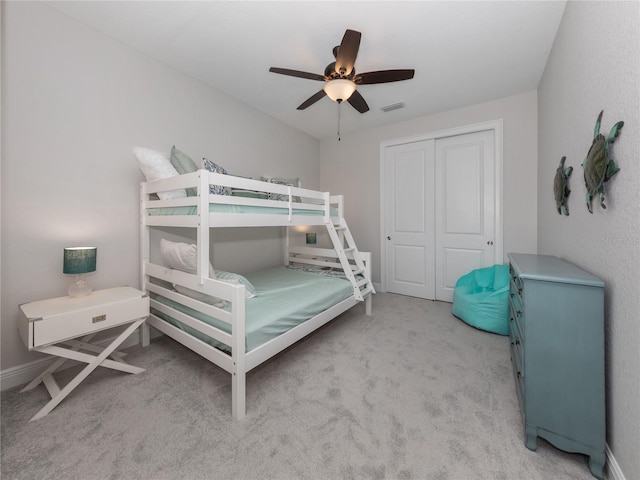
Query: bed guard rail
[(294, 197)]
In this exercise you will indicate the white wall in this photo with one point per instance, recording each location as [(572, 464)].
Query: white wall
[(352, 167), (595, 65), (74, 103)]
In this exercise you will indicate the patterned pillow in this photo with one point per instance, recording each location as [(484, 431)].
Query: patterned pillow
[(293, 182), (212, 167), (183, 164), (236, 192)]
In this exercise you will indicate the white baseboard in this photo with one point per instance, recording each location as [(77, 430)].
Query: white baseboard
[(614, 470), (16, 376)]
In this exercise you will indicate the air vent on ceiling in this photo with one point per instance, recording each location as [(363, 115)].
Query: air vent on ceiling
[(394, 106)]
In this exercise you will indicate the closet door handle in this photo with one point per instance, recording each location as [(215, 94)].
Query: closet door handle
[(490, 242), (388, 238)]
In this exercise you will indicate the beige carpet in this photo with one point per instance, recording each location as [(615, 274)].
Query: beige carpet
[(408, 393)]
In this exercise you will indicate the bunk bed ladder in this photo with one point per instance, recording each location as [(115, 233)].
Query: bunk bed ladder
[(340, 233)]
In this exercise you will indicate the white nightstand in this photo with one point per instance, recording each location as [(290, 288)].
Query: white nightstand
[(45, 323)]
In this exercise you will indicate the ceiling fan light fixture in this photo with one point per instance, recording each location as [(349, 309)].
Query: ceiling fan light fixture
[(339, 89)]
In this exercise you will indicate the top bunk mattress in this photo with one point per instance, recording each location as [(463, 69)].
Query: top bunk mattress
[(286, 298)]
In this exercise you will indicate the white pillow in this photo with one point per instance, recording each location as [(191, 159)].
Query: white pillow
[(156, 166), (182, 256)]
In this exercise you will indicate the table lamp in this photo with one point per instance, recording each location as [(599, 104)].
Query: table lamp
[(78, 261)]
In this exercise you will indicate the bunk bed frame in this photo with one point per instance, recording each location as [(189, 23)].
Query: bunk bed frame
[(301, 207)]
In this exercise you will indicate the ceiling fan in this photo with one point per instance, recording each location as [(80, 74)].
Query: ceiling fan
[(341, 78)]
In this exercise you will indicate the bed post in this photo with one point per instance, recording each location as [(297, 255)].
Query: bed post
[(238, 352), (144, 258), (203, 226), (368, 299), (287, 240)]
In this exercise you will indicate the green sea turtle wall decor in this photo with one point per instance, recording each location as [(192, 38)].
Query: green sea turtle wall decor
[(598, 166), (561, 187)]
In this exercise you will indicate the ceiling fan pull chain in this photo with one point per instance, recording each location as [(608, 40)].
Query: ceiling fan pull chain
[(339, 120)]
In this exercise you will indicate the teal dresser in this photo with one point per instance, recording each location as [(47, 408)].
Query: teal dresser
[(556, 329)]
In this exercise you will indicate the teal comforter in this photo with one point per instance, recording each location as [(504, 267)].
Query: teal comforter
[(286, 298)]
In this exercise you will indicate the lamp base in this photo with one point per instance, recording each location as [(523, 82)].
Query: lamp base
[(79, 288)]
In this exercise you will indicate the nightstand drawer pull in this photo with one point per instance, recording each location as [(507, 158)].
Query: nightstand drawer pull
[(99, 318)]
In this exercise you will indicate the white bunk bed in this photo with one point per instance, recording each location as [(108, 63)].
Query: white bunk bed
[(295, 207)]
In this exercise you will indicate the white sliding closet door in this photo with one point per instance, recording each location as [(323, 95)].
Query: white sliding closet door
[(408, 173), (465, 208), (440, 215)]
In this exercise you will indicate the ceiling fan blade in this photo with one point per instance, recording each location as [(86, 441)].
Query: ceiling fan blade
[(312, 99), (358, 102), (347, 52), (383, 76), (298, 73)]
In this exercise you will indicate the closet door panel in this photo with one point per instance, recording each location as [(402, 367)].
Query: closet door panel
[(462, 195), (409, 243), (464, 207)]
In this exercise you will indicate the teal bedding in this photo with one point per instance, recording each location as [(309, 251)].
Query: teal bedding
[(226, 208), (286, 298)]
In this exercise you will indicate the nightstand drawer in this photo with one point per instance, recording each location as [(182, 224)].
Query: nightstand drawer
[(61, 319)]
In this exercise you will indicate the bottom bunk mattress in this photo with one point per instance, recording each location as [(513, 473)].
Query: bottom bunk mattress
[(286, 297)]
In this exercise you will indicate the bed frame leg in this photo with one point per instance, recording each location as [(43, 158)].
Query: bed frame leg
[(238, 393), (368, 302), (144, 335)]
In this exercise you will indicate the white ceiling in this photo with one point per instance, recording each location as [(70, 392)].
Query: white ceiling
[(463, 52)]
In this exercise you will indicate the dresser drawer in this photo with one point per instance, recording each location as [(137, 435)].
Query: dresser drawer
[(516, 284), (519, 377), (517, 345), (516, 316), (516, 292)]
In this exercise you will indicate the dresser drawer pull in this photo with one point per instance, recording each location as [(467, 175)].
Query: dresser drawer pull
[(99, 318)]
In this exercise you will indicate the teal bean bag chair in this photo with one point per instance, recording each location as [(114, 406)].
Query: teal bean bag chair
[(481, 299)]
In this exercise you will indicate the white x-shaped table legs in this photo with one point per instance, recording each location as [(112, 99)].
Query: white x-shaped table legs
[(93, 361)]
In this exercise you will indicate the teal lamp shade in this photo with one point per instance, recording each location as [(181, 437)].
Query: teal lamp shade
[(78, 261)]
